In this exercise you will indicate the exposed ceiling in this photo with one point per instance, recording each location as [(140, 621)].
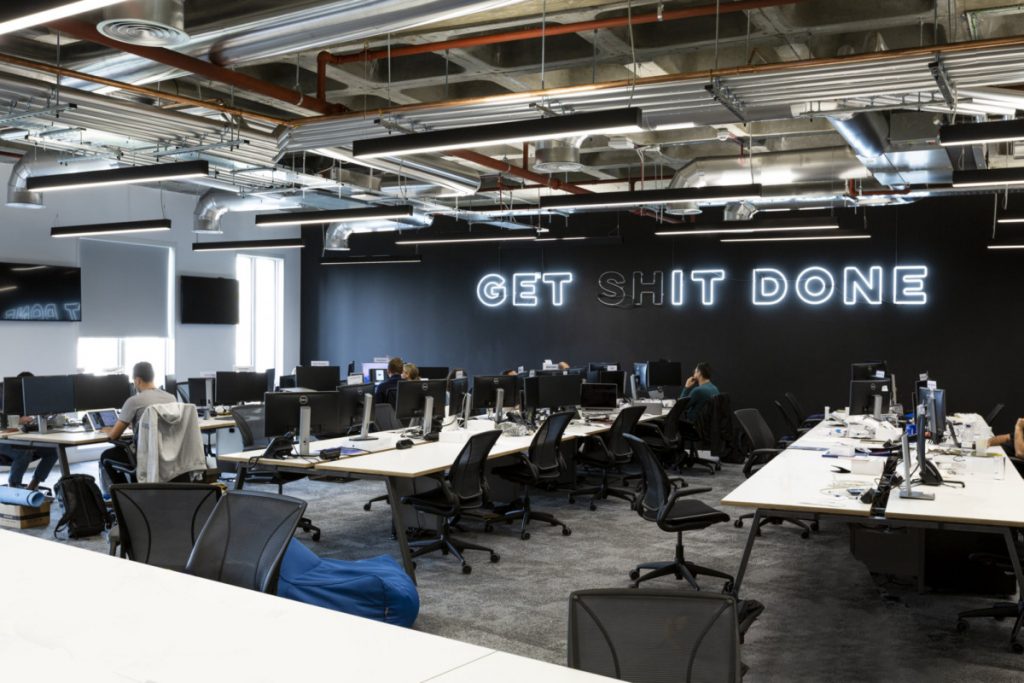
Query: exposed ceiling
[(784, 93)]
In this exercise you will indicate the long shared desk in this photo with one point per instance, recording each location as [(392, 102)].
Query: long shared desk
[(63, 439), (801, 482), (384, 462), (128, 621)]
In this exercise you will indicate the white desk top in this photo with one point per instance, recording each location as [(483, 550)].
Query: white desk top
[(501, 667), (78, 437)]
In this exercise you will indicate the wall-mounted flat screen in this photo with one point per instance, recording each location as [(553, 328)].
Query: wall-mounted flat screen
[(32, 292), (209, 300)]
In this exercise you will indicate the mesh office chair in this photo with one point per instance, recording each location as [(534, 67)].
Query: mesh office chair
[(245, 538), (763, 449), (655, 636), (805, 419), (251, 423), (606, 452), (384, 419), (664, 438), (159, 523), (463, 489), (793, 428), (541, 464), (663, 505), (713, 429), (1000, 610)]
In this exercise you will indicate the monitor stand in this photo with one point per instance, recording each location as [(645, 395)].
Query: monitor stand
[(364, 432), (304, 417), (209, 397), (499, 405), (906, 490), (467, 409), (428, 415), (42, 425), (876, 407)]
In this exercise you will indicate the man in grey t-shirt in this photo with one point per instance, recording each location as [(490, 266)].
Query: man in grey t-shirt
[(146, 394)]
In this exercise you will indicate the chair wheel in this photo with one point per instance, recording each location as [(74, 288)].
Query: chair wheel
[(525, 535), (738, 524), (593, 507), (1016, 648), (316, 535), (566, 531), (466, 569), (727, 588), (805, 534), (962, 625), (572, 499), (495, 558), (634, 575), (366, 507), (815, 527)]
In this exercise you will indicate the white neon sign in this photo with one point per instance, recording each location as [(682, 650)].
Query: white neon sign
[(815, 285), (770, 286), (526, 290), (908, 285), (858, 287), (707, 280)]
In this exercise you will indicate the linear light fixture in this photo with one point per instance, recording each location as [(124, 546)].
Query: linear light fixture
[(1005, 246), (981, 133), (1010, 219), (495, 210), (8, 288), (795, 225), (27, 269), (526, 236), (607, 200), (118, 176), (158, 225), (610, 121), (989, 176), (293, 243), (375, 213), (371, 260), (562, 239), (52, 12), (800, 238)]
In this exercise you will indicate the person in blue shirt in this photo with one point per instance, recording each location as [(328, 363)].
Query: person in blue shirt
[(387, 390), (699, 389)]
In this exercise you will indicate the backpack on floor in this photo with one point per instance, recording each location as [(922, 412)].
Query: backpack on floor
[(84, 513)]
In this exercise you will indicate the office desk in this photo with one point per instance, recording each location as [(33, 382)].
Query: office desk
[(153, 614), (62, 440), (799, 482)]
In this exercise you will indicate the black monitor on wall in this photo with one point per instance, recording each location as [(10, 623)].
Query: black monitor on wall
[(39, 293), (318, 378), (96, 392), (51, 395), (209, 300)]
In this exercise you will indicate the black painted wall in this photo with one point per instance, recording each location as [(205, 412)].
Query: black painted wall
[(968, 335)]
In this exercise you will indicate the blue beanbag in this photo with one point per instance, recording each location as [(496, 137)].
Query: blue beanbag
[(377, 588)]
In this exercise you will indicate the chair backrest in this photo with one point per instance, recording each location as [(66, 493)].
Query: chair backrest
[(798, 409), (655, 636), (756, 429), (544, 451), (715, 426), (624, 424), (251, 424), (183, 392), (159, 523), (466, 475), (245, 538), (385, 417), (670, 426), (656, 485), (787, 418)]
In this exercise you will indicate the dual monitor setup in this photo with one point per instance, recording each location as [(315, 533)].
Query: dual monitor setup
[(62, 394)]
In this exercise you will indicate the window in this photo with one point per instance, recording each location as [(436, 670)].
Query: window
[(111, 354), (259, 338)]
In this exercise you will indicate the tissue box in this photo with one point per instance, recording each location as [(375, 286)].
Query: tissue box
[(23, 517)]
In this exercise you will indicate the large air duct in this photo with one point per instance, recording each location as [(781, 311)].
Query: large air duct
[(444, 174), (46, 163), (214, 204), (158, 23), (898, 148)]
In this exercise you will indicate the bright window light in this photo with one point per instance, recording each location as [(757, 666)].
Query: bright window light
[(259, 337)]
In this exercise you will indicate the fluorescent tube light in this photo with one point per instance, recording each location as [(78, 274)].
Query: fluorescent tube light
[(774, 226), (801, 238), (26, 269), (608, 122), (111, 228), (295, 243), (529, 236), (55, 11), (990, 176), (371, 260), (981, 133), (118, 176), (1006, 246), (1010, 219), (561, 239), (375, 213), (8, 288), (606, 200)]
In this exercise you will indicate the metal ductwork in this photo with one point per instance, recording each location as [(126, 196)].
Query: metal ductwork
[(444, 174), (214, 204), (556, 156), (338, 234), (46, 163), (159, 23)]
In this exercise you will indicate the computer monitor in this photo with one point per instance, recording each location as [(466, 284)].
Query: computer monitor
[(548, 373), (553, 391), (598, 396), (616, 377), (12, 397), (485, 391), (640, 372), (352, 398), (287, 382), (51, 395), (318, 378), (234, 388), (869, 370), (96, 392), (197, 390), (458, 389), (171, 385), (433, 372), (271, 379), (283, 411), (664, 373), (378, 375), (594, 368), (369, 368), (410, 401), (863, 393), (934, 401)]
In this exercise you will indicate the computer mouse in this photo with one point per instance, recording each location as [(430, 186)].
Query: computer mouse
[(403, 444)]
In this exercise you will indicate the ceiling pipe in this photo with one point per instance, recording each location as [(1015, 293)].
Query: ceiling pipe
[(215, 204), (46, 163), (326, 57)]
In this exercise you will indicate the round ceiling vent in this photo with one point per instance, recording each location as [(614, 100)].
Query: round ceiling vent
[(556, 156), (158, 23)]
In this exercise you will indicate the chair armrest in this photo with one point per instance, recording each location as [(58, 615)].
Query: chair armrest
[(759, 456), (676, 495), (525, 459)]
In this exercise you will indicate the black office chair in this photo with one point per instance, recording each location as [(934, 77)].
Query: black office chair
[(606, 452), (251, 423), (462, 490), (763, 449), (159, 523), (661, 504), (245, 539), (655, 636), (1001, 610), (793, 428), (541, 464), (663, 436), (994, 413), (713, 429), (805, 419), (384, 419)]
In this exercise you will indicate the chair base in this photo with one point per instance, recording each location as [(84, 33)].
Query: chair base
[(807, 529), (448, 544), (681, 568), (602, 491), (306, 524), (522, 510), (378, 499), (999, 611)]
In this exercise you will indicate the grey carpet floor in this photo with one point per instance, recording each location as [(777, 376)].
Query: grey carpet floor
[(826, 619)]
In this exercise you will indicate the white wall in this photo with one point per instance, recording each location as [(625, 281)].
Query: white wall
[(50, 348)]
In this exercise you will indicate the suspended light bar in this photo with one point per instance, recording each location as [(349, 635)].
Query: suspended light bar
[(8, 288), (794, 225), (51, 11), (371, 260), (111, 228), (118, 176), (981, 133), (990, 176), (375, 213), (562, 239), (495, 210), (799, 238), (607, 200), (294, 243), (1010, 219), (609, 122), (525, 236), (1005, 246)]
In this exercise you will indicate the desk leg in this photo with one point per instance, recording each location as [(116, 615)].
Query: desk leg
[(1011, 547), (62, 456), (241, 472), (400, 533), (755, 525)]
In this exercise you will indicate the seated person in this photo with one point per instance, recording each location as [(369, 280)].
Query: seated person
[(388, 389), (19, 457), (699, 390), (146, 394), (510, 373), (1013, 445), (563, 365), (410, 372)]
